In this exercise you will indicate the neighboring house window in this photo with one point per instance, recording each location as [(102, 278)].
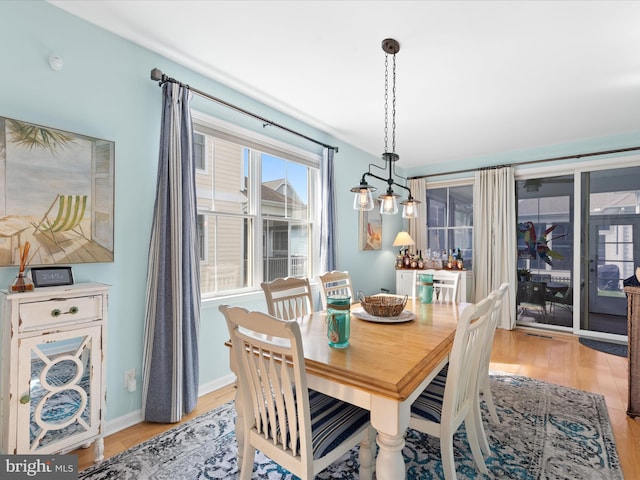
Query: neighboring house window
[(198, 151), (257, 210), (450, 221)]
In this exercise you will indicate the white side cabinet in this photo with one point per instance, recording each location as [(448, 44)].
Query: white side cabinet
[(406, 283), (52, 379)]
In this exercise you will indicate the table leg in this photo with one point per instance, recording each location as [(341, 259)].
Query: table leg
[(391, 420)]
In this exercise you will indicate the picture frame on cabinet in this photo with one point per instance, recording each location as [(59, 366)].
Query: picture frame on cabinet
[(370, 228), (51, 276)]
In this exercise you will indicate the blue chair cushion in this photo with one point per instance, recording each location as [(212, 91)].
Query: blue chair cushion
[(429, 404), (332, 422)]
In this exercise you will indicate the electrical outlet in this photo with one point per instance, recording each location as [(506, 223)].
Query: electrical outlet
[(129, 376)]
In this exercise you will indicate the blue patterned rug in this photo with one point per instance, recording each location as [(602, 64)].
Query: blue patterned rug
[(546, 432)]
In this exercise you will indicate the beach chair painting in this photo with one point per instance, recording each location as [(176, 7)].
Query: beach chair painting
[(71, 210), (57, 192)]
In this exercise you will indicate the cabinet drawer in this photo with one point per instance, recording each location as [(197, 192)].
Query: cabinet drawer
[(59, 311)]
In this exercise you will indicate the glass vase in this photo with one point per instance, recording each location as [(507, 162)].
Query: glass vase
[(338, 320), (22, 283)]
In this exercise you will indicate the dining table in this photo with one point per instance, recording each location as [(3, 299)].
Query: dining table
[(386, 365)]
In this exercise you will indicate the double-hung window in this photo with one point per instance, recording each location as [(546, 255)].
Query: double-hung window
[(257, 214), (450, 221)]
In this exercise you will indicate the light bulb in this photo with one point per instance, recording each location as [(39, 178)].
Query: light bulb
[(388, 206)]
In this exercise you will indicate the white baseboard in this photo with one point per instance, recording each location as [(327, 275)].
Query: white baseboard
[(125, 421), (216, 384), (135, 417)]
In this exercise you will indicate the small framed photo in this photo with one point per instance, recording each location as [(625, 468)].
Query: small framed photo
[(51, 276)]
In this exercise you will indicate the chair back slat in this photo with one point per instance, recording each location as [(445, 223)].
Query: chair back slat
[(288, 298), (445, 286), (335, 283)]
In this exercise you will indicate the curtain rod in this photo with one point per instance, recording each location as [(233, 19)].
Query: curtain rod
[(157, 75), (554, 159)]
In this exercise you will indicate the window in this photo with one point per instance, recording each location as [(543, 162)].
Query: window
[(450, 221), (256, 209)]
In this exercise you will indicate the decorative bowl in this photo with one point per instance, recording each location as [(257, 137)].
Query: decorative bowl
[(382, 305)]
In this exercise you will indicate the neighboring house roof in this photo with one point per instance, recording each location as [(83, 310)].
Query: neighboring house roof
[(271, 191), (281, 185)]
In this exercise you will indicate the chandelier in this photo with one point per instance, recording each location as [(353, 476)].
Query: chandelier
[(388, 204)]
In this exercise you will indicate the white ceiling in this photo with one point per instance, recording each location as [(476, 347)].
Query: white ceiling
[(473, 77)]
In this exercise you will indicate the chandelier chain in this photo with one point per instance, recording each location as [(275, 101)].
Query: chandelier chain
[(386, 100), (393, 112)]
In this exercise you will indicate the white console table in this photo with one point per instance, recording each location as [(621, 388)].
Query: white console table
[(406, 283), (52, 379)]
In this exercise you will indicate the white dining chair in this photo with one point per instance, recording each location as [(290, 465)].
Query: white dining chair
[(335, 283), (302, 430), (288, 298), (445, 286), (450, 398), (484, 386)]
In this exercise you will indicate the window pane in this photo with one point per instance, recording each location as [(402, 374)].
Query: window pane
[(198, 150), (227, 243), (223, 187), (285, 250), (436, 207), (284, 188), (461, 206)]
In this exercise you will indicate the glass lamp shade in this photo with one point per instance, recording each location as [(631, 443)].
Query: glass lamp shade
[(388, 204), (363, 200), (409, 209)]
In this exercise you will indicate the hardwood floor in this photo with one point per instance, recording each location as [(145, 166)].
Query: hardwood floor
[(549, 356)]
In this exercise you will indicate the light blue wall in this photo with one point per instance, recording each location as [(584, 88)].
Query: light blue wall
[(104, 91)]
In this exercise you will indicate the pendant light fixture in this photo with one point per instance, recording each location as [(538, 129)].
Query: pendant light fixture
[(388, 204)]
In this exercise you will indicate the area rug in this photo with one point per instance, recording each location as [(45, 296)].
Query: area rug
[(546, 432), (606, 347)]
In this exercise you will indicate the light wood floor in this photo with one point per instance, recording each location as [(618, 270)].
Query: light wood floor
[(551, 357)]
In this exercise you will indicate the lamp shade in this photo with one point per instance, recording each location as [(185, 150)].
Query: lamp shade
[(403, 238)]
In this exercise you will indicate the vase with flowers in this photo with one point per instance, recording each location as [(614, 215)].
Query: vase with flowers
[(22, 283)]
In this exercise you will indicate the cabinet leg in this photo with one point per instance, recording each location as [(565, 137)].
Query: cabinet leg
[(98, 450)]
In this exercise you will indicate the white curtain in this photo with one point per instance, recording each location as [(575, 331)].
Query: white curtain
[(418, 226), (494, 237)]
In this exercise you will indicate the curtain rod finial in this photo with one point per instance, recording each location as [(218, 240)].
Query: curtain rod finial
[(156, 74)]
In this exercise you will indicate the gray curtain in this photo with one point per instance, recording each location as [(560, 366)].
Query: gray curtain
[(327, 213), (170, 375)]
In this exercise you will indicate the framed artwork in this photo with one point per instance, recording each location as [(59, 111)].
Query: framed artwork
[(58, 195), (370, 228)]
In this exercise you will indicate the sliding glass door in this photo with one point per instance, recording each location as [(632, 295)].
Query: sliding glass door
[(573, 259), (545, 217), (610, 246)]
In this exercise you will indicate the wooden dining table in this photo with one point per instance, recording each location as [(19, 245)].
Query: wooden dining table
[(384, 369)]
